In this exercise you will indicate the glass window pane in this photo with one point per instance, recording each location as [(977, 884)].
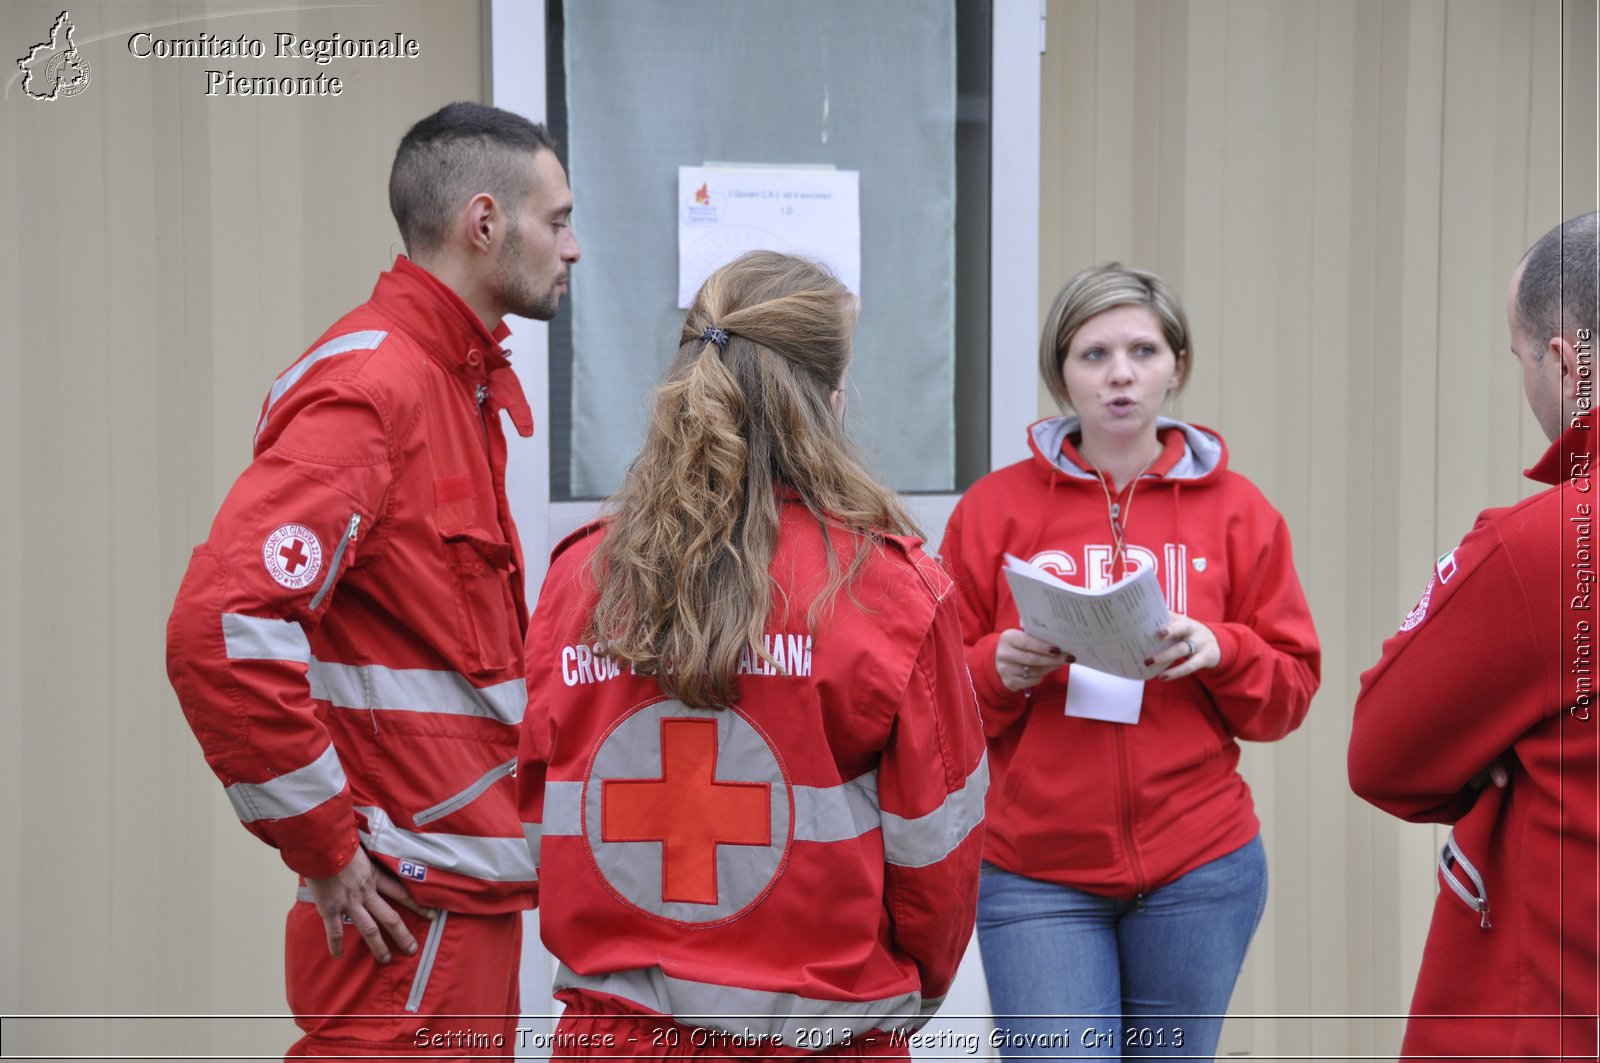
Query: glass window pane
[(639, 88)]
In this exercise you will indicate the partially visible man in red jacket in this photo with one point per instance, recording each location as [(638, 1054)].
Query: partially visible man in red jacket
[(347, 642), (1483, 714)]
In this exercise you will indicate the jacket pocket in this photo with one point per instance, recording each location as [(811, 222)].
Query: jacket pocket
[(458, 801), (1464, 880), (430, 953), (480, 562)]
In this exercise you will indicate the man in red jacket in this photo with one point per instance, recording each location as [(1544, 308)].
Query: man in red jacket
[(347, 642), (1482, 714)]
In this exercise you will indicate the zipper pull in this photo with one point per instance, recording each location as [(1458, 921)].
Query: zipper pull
[(1483, 921), (483, 394), (338, 555)]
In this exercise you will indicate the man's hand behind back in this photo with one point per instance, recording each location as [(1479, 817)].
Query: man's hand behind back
[(362, 891)]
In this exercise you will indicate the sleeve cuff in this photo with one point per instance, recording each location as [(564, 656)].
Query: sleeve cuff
[(322, 843), (985, 677), (1227, 646)]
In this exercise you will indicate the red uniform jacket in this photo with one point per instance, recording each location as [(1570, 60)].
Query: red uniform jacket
[(803, 860), (1497, 662), (1119, 809), (346, 644)]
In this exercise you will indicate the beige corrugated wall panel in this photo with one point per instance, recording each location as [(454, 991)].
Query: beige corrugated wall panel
[(1339, 191), (177, 253), (14, 623)]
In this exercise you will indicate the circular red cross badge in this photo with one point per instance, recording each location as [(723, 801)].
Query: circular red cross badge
[(688, 812), (293, 556)]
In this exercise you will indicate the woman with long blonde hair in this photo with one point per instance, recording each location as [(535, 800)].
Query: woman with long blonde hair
[(751, 768)]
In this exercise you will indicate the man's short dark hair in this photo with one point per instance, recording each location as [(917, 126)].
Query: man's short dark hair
[(1560, 287), (452, 155)]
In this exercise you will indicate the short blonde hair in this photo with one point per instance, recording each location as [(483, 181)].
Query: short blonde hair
[(1102, 288)]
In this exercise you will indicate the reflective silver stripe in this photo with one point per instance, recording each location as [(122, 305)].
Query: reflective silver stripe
[(467, 796), (533, 834), (489, 859), (563, 808), (257, 638), (836, 813), (292, 794), (354, 341), (747, 1012), (372, 686), (928, 839), (821, 813), (430, 951), (563, 816)]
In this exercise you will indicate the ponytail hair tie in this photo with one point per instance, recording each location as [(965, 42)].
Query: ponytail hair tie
[(715, 335)]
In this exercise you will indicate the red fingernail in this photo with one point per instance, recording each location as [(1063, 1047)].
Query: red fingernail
[(1055, 649), (1148, 661)]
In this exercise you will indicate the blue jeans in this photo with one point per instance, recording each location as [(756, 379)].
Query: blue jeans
[(1074, 975)]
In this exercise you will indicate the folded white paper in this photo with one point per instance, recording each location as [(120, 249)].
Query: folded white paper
[(1096, 695), (1112, 629)]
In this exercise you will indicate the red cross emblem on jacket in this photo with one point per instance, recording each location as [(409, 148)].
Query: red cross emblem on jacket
[(688, 812)]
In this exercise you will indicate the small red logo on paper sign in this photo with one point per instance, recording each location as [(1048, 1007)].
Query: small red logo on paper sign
[(293, 556), (702, 196)]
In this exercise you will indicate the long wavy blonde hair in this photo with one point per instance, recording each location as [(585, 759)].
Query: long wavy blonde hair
[(683, 570)]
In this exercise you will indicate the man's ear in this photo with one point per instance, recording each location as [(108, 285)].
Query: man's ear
[(1561, 348), (483, 219)]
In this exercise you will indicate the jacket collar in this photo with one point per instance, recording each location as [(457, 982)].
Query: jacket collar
[(439, 319), (1558, 465)]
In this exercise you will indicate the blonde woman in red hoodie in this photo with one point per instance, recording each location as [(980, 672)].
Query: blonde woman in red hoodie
[(1123, 874)]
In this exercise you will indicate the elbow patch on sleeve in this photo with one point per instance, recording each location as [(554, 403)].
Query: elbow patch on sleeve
[(196, 659)]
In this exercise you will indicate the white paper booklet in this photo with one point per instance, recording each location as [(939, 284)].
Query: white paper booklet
[(1112, 629)]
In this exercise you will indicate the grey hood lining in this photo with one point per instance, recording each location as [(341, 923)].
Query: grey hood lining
[(1202, 452)]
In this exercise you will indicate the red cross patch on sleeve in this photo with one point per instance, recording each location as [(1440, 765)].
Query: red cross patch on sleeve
[(293, 556)]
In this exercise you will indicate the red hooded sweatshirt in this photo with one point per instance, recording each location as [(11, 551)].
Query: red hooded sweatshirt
[(1123, 809)]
